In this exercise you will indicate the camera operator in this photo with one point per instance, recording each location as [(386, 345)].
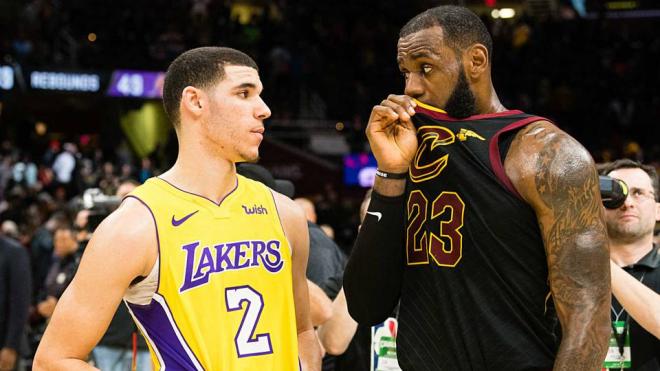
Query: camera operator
[(630, 228)]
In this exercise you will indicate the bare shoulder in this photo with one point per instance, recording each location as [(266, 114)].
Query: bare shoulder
[(289, 211), (293, 220), (544, 161), (129, 235)]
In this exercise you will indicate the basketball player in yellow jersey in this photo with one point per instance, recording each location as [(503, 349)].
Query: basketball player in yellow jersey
[(211, 264)]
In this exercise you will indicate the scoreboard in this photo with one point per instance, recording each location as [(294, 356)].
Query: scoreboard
[(136, 84)]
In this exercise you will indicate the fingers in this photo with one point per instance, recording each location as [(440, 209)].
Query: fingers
[(404, 101), (402, 113), (394, 108), (381, 117)]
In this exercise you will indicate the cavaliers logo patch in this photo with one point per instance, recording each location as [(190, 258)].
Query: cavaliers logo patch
[(432, 137)]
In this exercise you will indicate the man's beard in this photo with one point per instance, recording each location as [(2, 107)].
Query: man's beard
[(461, 103)]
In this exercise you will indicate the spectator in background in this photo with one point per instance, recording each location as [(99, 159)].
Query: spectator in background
[(326, 261), (328, 230), (25, 172), (340, 335), (65, 164), (308, 207), (62, 270), (10, 229), (146, 170), (108, 181), (325, 267), (630, 230), (41, 248), (15, 287)]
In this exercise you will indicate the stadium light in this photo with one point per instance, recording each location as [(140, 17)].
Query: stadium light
[(506, 13)]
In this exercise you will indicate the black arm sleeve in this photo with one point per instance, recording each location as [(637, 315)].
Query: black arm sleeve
[(20, 287), (372, 279)]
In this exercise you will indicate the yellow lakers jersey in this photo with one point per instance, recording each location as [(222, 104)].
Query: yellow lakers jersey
[(224, 299)]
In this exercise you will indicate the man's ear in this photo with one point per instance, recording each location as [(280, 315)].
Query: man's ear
[(477, 61), (193, 101)]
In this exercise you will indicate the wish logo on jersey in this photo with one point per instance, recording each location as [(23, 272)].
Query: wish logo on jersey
[(228, 257), (255, 210)]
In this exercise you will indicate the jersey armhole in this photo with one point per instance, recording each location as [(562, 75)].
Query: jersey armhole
[(142, 293), (157, 263), (496, 161)]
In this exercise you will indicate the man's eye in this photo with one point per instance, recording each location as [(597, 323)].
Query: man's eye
[(243, 94), (426, 69), (405, 74)]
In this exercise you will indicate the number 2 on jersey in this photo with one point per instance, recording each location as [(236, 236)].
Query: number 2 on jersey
[(445, 252), (246, 345)]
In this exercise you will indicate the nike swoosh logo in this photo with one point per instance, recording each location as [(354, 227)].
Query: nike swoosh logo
[(177, 223), (376, 214)]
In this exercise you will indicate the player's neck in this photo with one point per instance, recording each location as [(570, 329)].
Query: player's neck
[(628, 253), (201, 174), (490, 103)]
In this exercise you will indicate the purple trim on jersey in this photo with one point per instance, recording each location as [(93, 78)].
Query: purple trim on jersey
[(494, 152), (156, 323), (200, 196), (446, 117), (153, 217)]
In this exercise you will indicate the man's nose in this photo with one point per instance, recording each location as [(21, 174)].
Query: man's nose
[(262, 111), (414, 87), (628, 202)]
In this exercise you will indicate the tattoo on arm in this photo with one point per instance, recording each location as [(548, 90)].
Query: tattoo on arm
[(575, 238)]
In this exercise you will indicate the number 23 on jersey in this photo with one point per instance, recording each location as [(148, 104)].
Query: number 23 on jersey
[(446, 212)]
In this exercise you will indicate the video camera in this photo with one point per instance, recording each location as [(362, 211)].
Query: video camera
[(100, 206), (613, 191)]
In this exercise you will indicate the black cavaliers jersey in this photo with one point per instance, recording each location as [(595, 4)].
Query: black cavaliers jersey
[(475, 293)]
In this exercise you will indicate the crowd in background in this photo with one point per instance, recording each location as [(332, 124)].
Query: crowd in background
[(319, 60)]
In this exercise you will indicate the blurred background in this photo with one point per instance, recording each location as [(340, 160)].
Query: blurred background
[(80, 81), (81, 120)]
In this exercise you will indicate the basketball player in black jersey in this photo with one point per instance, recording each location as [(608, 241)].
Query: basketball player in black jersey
[(485, 223)]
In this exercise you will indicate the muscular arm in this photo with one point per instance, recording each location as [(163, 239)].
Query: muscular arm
[(642, 303), (557, 177), (122, 248), (295, 227)]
